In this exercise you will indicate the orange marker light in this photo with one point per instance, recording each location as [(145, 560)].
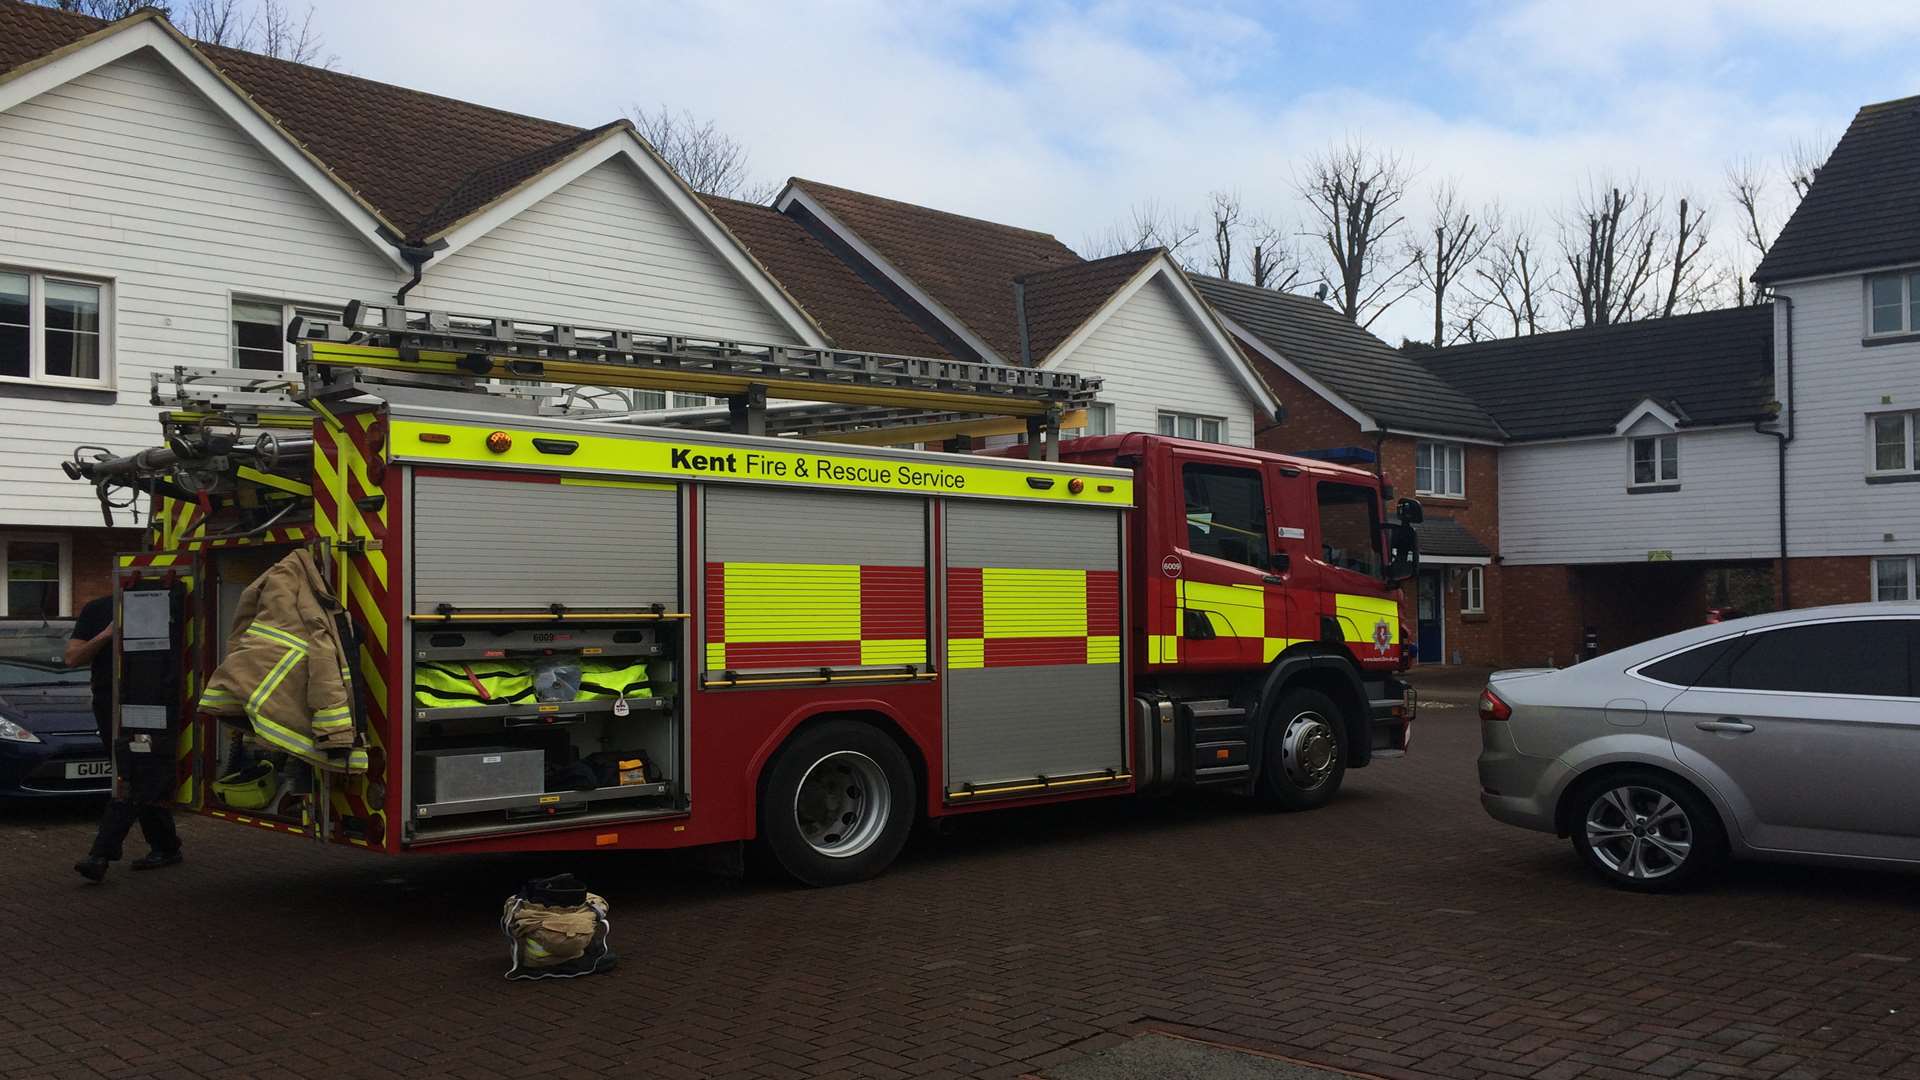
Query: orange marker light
[(499, 442), (1076, 485), (435, 437)]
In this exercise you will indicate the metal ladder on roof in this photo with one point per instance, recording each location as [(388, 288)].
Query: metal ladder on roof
[(850, 395)]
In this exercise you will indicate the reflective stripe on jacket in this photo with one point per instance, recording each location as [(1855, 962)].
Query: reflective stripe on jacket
[(286, 667)]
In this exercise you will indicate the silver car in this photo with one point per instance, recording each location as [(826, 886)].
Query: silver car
[(1791, 736)]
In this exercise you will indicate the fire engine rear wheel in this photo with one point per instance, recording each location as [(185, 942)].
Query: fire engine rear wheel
[(1306, 752), (838, 805)]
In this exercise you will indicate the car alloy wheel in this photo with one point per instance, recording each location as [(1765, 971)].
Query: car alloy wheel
[(1638, 832)]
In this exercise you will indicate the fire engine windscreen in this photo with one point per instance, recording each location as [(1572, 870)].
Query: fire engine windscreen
[(1350, 528)]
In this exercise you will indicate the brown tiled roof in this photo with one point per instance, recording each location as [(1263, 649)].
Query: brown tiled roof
[(421, 160), (1058, 301), (967, 265), (847, 308)]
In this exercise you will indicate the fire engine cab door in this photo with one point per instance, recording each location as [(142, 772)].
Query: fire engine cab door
[(1226, 567), (1033, 679)]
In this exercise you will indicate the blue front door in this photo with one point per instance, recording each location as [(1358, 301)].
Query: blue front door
[(1433, 644)]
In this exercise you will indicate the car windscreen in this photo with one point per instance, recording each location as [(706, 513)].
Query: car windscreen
[(19, 673)]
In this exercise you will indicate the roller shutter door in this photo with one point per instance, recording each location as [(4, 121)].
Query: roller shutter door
[(512, 544), (1033, 677), (804, 579)]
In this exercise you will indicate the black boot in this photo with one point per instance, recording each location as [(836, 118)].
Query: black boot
[(93, 868), (154, 860)]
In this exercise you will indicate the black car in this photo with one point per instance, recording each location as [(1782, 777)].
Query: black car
[(49, 746)]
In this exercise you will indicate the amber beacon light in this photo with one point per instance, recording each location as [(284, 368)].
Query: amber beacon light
[(499, 442)]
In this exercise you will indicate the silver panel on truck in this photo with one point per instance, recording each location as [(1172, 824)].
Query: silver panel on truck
[(813, 579), (507, 543), (1039, 692)]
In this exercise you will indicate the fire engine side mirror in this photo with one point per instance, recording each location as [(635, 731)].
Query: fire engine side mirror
[(1403, 555), (1411, 512)]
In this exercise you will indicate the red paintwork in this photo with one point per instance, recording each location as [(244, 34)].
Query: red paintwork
[(732, 733)]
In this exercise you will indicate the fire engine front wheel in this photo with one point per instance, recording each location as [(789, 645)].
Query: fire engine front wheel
[(1306, 752), (838, 804)]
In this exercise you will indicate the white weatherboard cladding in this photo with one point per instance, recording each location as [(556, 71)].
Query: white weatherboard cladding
[(1567, 502), (605, 250), (1837, 381), (128, 173), (1154, 355)]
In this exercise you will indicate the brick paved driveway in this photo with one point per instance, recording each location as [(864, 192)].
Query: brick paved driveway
[(1397, 932)]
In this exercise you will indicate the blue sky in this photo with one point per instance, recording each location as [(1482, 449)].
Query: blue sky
[(1061, 116)]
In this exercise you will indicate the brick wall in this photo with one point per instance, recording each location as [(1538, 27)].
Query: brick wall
[(93, 552), (1834, 579), (1313, 423)]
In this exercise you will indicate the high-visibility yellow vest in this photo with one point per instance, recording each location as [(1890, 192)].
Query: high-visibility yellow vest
[(601, 679), (458, 685)]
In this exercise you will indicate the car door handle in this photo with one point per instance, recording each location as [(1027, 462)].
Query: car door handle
[(1273, 579), (1725, 723)]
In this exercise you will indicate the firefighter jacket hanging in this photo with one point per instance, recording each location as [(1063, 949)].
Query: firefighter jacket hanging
[(286, 667)]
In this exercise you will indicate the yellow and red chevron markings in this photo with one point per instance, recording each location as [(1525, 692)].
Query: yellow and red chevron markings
[(1023, 617), (781, 615)]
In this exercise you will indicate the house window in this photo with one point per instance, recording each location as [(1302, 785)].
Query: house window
[(53, 328), (1656, 460), (1440, 469), (1473, 591), (1189, 426), (1896, 442), (36, 577), (1099, 422), (1893, 303), (259, 332), (1897, 578)]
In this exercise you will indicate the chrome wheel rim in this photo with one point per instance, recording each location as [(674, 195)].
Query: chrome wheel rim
[(1639, 832), (1307, 750), (842, 804)]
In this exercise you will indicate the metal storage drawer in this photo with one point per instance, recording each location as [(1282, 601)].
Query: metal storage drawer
[(483, 772)]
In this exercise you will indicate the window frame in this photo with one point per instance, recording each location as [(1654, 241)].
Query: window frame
[(1738, 644), (37, 279), (1909, 305), (1661, 459), (1473, 591), (1913, 577), (65, 545), (1099, 422), (1167, 423), (1910, 431), (1433, 448), (1260, 534), (289, 353)]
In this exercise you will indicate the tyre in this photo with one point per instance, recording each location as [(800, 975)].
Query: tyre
[(1646, 831), (1305, 759), (838, 804)]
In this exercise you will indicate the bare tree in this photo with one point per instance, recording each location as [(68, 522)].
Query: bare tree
[(1271, 262), (277, 31), (1455, 241), (1611, 243), (1515, 278), (1802, 163), (1353, 195), (1148, 225), (708, 159), (1689, 277), (216, 22), (1224, 210)]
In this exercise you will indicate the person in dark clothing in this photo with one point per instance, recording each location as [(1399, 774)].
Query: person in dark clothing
[(141, 781)]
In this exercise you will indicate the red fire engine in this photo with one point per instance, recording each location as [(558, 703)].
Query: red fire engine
[(566, 629)]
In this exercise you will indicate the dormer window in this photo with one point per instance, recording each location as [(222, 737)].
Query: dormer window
[(1656, 460), (1893, 303)]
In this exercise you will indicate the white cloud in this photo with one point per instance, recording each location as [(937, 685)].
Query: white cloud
[(1059, 116)]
